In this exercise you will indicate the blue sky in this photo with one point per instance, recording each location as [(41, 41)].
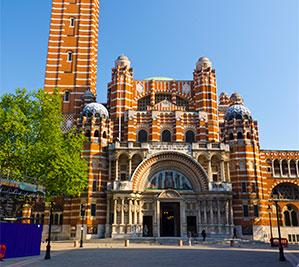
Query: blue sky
[(253, 45)]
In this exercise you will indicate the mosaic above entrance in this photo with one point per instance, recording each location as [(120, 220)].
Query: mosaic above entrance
[(169, 179)]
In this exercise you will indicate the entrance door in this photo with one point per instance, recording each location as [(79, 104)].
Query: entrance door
[(191, 226), (170, 219), (147, 226)]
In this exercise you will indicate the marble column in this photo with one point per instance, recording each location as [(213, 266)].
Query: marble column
[(135, 211), (222, 170), (280, 167), (116, 169), (130, 211), (289, 169), (210, 170), (115, 212), (273, 171), (205, 212), (122, 211), (219, 216), (130, 167), (211, 214), (140, 211), (109, 170)]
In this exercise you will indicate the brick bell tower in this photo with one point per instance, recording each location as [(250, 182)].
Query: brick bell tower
[(205, 95), (240, 131), (72, 51)]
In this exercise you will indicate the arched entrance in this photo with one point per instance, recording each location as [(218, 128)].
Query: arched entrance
[(165, 180)]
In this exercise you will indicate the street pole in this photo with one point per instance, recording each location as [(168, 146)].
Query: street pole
[(48, 248), (281, 254), (82, 226), (270, 219)]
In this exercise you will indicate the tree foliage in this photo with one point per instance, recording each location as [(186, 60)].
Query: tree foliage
[(32, 143)]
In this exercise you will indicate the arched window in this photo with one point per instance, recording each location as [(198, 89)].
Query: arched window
[(290, 216), (104, 134), (285, 168), (276, 167), (123, 165), (66, 96), (293, 168), (248, 135), (231, 136), (166, 136), (240, 135), (56, 219), (142, 136), (189, 136), (215, 164), (96, 133), (287, 191)]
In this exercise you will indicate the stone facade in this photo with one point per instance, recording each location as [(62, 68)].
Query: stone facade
[(166, 157)]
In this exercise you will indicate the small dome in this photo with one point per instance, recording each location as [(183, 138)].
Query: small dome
[(122, 61), (88, 94), (95, 109), (203, 63), (238, 112)]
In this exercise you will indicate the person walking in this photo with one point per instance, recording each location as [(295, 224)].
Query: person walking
[(235, 233), (204, 235)]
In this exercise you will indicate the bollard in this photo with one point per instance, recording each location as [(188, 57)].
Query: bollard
[(180, 243), (127, 243), (232, 242), (75, 243)]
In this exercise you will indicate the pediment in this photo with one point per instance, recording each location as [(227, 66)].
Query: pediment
[(170, 194)]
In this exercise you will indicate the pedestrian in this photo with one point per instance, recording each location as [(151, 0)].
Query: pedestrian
[(204, 235), (235, 233)]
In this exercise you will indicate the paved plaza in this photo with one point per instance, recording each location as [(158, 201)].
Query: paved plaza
[(115, 254)]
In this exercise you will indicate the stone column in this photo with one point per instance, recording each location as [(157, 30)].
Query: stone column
[(115, 212), (297, 169), (219, 216), (116, 169), (228, 172), (122, 211), (130, 167), (280, 167), (273, 171), (205, 212), (210, 170), (227, 215), (130, 211), (211, 212), (199, 217), (289, 168), (140, 212), (135, 211), (222, 171)]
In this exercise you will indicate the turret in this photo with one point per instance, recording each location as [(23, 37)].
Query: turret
[(205, 95)]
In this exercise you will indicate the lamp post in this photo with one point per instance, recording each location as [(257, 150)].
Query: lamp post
[(48, 247), (281, 254), (270, 219), (82, 226)]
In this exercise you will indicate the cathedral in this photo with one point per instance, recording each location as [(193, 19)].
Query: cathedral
[(167, 157)]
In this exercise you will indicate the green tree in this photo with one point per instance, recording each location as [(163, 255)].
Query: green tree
[(32, 143)]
